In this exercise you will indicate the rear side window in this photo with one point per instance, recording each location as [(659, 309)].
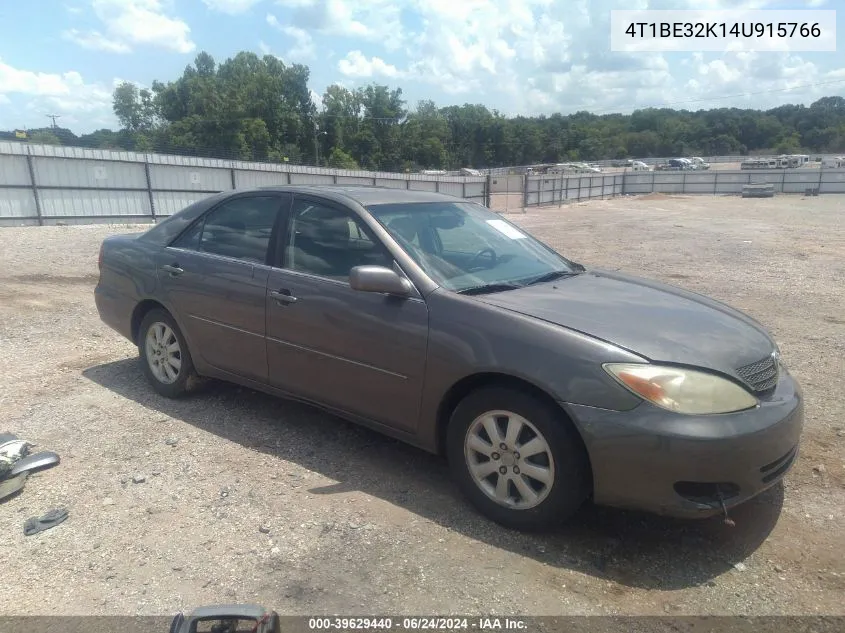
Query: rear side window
[(241, 229)]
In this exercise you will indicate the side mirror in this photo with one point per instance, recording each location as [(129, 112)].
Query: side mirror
[(379, 279)]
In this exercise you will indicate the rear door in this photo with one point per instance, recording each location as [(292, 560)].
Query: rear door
[(360, 352), (215, 277)]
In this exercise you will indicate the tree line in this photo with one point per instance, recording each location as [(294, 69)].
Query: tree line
[(259, 108)]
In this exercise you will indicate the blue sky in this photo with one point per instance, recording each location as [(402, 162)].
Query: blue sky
[(519, 56)]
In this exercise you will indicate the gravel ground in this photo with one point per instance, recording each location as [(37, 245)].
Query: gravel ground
[(237, 496)]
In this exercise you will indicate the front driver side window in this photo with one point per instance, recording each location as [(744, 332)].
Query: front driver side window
[(329, 242)]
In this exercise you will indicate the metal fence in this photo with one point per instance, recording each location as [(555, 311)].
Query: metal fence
[(46, 184), (546, 190)]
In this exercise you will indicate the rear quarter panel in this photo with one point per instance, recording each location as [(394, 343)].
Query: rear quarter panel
[(127, 277)]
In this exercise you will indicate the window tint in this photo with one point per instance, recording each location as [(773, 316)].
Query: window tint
[(328, 242), (190, 239), (241, 228)]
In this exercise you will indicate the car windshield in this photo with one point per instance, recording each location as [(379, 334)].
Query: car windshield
[(464, 246)]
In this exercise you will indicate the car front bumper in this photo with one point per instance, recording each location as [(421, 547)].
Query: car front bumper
[(685, 466)]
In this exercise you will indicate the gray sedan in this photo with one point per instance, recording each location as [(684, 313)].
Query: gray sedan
[(436, 321)]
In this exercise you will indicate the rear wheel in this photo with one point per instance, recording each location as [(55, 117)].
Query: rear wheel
[(164, 355), (517, 459)]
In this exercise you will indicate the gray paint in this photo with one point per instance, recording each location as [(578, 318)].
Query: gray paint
[(393, 363)]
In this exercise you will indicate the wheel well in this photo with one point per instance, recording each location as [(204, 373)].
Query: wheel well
[(140, 312), (463, 387)]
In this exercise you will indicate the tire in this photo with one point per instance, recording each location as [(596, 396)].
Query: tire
[(562, 463), (170, 372)]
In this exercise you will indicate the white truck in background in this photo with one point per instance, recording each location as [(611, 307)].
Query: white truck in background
[(698, 163)]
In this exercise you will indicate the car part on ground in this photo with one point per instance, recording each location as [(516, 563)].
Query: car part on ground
[(48, 520), (12, 485), (36, 461)]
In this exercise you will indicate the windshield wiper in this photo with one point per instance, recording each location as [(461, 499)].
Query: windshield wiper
[(555, 274), (486, 288)]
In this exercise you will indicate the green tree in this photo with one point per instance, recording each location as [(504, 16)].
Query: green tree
[(341, 160), (44, 137)]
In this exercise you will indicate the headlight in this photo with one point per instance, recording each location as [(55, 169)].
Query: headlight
[(682, 390)]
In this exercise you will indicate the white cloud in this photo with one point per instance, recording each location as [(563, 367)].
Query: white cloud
[(129, 23), (95, 40), (67, 94), (542, 56), (357, 66), (303, 44), (369, 20), (232, 7)]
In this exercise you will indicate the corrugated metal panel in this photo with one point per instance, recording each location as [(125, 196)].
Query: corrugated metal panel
[(310, 179), (67, 172), (76, 202), (392, 183), (164, 177), (248, 179), (168, 203), (423, 185), (17, 203), (355, 180), (12, 147), (452, 188), (14, 170)]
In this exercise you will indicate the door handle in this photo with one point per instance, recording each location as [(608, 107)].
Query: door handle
[(173, 269), (283, 296)]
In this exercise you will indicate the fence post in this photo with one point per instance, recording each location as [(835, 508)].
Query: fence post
[(487, 192), (334, 179), (288, 177), (408, 181), (653, 178), (622, 190), (464, 189), (375, 181), (580, 181), (820, 178), (149, 187), (34, 187), (525, 192), (683, 182), (783, 181), (715, 182), (232, 174), (437, 186)]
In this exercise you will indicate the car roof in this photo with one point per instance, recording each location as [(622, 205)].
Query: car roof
[(365, 195)]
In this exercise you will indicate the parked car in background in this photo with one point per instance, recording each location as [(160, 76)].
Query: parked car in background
[(638, 165), (436, 321), (698, 163)]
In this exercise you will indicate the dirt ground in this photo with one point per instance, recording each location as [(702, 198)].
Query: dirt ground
[(243, 497)]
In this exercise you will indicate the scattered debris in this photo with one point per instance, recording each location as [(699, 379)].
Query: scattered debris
[(16, 462), (138, 479), (49, 519), (10, 486), (171, 441), (264, 529), (739, 566), (819, 469), (37, 461), (108, 501)]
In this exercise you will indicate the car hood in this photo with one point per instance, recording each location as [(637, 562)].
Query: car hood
[(651, 319)]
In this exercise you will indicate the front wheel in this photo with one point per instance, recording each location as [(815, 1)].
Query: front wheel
[(164, 355), (519, 461)]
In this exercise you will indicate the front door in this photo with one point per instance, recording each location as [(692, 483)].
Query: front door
[(357, 351), (215, 277)]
